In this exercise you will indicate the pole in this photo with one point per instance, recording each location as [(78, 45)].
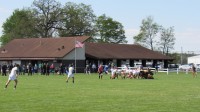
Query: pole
[(181, 55), (177, 70), (167, 71), (75, 55)]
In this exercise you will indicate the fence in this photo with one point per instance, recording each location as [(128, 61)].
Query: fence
[(177, 70), (165, 70)]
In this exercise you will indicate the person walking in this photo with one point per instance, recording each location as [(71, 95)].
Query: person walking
[(13, 76)]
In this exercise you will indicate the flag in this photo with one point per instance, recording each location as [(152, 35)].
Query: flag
[(79, 44)]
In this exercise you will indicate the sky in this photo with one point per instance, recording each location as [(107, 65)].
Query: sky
[(183, 15)]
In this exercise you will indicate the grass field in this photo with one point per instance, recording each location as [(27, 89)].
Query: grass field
[(165, 93)]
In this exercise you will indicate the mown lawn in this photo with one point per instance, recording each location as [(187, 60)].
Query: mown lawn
[(165, 93)]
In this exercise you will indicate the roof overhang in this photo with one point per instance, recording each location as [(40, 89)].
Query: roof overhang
[(7, 59)]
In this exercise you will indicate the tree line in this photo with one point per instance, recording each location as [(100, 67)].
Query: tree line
[(149, 30), (49, 18)]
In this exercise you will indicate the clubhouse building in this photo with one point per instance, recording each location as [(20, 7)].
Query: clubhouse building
[(63, 50)]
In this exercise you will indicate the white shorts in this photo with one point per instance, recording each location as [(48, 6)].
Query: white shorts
[(70, 75), (136, 73), (12, 77)]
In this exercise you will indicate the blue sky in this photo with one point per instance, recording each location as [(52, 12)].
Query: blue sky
[(182, 14)]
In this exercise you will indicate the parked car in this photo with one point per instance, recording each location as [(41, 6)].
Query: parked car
[(173, 66), (185, 67), (198, 66)]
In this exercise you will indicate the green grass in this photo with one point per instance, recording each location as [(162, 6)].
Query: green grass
[(166, 93)]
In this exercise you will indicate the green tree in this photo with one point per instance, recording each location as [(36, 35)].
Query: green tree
[(47, 15), (78, 19), (148, 32), (176, 57), (19, 25), (109, 31), (167, 40)]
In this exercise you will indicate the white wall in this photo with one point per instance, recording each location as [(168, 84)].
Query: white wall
[(80, 54), (194, 59), (16, 62)]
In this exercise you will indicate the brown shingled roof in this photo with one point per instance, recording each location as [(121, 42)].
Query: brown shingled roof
[(121, 51), (39, 48)]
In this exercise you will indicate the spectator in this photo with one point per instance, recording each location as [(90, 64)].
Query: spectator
[(61, 68), (29, 69), (52, 68), (10, 67), (47, 69), (23, 69), (44, 69), (87, 69), (35, 68), (4, 68), (94, 68)]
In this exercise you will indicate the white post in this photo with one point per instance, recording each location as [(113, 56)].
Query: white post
[(186, 71), (177, 71), (167, 71)]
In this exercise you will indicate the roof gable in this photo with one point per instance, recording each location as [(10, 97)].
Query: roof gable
[(40, 47)]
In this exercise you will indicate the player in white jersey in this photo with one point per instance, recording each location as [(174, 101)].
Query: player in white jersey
[(113, 73), (13, 76), (70, 73)]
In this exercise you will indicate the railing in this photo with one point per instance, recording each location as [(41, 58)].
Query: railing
[(166, 70)]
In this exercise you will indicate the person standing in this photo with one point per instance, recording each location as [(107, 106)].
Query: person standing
[(52, 68), (47, 69), (87, 69), (194, 72), (93, 68), (10, 67), (156, 68), (100, 71), (23, 69), (4, 68), (30, 69), (61, 69), (70, 73), (35, 68), (44, 69), (13, 76)]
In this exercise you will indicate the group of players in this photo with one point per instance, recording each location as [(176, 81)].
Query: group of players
[(125, 72)]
